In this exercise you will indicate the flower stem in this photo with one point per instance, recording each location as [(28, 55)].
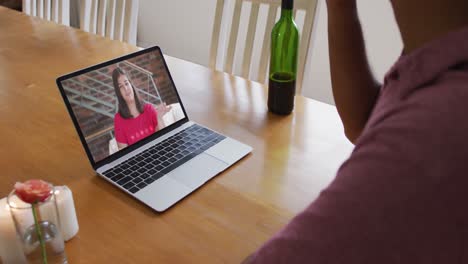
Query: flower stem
[(39, 234)]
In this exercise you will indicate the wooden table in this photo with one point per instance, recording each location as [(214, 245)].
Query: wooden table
[(294, 157)]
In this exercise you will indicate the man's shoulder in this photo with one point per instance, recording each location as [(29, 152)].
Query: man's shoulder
[(440, 100), (448, 82), (453, 82)]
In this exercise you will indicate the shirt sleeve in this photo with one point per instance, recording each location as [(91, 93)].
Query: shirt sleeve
[(118, 130), (389, 202)]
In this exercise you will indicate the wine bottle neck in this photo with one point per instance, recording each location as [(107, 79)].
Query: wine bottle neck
[(287, 9), (286, 13)]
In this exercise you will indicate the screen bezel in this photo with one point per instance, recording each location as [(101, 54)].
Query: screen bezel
[(123, 152)]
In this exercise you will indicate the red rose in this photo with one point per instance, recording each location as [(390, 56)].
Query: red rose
[(33, 191)]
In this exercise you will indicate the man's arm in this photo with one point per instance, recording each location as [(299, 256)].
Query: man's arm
[(354, 87)]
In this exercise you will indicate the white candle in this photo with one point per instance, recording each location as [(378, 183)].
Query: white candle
[(11, 250), (66, 211)]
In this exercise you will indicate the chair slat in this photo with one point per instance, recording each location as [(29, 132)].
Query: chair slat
[(304, 44), (64, 12), (40, 8), (130, 22), (26, 7), (110, 21), (85, 14), (248, 49), (55, 11), (116, 19), (215, 36), (33, 8), (266, 42), (119, 18), (101, 18), (233, 37), (47, 9), (93, 16), (60, 8), (304, 4)]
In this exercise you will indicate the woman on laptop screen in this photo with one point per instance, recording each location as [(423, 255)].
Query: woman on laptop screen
[(134, 120)]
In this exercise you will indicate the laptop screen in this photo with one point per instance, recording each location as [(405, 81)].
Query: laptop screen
[(118, 104)]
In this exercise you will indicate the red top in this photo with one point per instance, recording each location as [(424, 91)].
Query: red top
[(402, 196), (131, 130)]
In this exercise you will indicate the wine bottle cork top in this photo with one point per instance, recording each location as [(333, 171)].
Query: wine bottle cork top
[(287, 4)]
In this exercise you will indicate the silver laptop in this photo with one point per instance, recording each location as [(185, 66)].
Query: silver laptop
[(136, 132)]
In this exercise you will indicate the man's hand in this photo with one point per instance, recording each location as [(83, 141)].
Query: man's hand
[(341, 3)]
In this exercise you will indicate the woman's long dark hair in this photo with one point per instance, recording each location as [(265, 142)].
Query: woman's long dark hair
[(123, 107)]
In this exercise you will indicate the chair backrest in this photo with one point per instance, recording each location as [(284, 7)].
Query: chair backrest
[(115, 19), (307, 6), (52, 10)]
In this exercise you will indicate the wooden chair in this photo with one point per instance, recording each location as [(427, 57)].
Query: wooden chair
[(307, 6), (115, 19), (52, 10)]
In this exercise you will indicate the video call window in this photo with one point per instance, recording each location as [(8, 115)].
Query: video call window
[(123, 103)]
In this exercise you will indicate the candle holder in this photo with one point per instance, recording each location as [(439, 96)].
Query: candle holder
[(38, 229)]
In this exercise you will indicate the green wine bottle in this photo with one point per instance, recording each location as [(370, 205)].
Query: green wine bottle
[(283, 62)]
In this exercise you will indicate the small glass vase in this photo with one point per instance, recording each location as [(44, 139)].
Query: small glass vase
[(45, 228)]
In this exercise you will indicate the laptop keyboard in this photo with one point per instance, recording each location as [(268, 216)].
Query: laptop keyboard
[(141, 170)]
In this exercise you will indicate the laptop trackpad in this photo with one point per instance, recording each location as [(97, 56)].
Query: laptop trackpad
[(198, 170), (163, 193)]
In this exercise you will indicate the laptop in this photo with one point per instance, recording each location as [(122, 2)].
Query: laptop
[(136, 132)]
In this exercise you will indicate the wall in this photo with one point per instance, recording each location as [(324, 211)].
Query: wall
[(183, 29), (383, 45)]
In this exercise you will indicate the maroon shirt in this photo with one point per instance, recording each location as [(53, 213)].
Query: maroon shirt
[(402, 196)]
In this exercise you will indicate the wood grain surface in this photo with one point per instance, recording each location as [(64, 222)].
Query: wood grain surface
[(294, 157)]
